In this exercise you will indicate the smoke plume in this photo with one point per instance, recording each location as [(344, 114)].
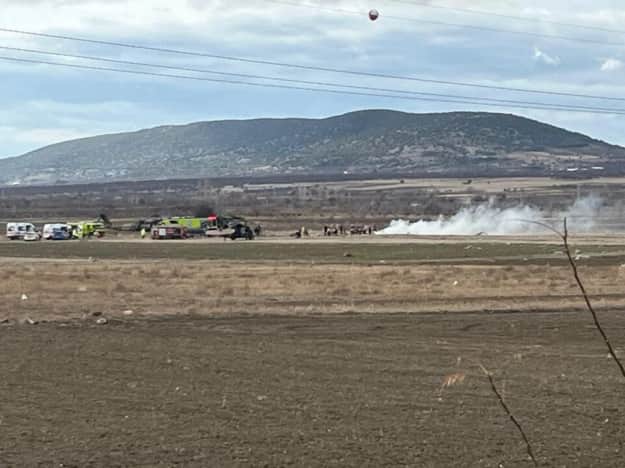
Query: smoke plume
[(489, 219)]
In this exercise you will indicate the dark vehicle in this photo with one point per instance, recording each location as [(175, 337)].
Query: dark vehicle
[(60, 233), (242, 231), (232, 227), (224, 222)]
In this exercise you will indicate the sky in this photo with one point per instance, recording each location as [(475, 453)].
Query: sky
[(41, 104)]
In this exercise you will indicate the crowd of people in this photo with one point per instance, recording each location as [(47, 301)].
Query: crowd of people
[(341, 230)]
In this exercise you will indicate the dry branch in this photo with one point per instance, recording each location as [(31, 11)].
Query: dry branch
[(582, 288), (514, 420), (567, 250)]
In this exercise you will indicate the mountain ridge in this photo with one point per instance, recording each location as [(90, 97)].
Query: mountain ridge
[(365, 141)]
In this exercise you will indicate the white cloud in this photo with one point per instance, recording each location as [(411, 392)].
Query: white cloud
[(611, 17), (245, 24), (611, 64), (52, 113), (35, 123), (545, 58), (538, 13), (39, 103), (41, 136), (22, 139)]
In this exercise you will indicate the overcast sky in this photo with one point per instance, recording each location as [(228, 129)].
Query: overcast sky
[(43, 104)]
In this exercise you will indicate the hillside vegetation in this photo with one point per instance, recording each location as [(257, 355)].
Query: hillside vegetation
[(359, 142)]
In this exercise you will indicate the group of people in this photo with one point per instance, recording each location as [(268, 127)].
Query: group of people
[(340, 230)]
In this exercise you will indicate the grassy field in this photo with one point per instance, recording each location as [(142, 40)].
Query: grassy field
[(63, 280), (477, 251)]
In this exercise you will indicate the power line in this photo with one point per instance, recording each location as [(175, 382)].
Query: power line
[(512, 17), (308, 82), (302, 88), (305, 67), (454, 25)]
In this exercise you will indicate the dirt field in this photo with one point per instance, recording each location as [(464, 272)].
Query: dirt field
[(63, 289), (308, 354), (361, 390)]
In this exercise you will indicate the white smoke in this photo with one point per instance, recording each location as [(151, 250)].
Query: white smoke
[(488, 219)]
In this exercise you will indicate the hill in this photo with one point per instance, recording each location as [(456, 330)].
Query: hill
[(382, 141)]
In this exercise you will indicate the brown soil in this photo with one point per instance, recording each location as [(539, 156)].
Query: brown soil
[(364, 390)]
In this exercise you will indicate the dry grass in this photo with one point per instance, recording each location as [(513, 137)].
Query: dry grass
[(60, 289), (453, 379)]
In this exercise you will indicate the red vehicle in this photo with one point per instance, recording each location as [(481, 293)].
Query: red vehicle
[(169, 231)]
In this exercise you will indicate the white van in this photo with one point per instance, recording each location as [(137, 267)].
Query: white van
[(18, 230), (49, 230)]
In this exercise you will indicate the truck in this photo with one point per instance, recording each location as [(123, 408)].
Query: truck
[(169, 231), (87, 229), (229, 227), (17, 231), (193, 225)]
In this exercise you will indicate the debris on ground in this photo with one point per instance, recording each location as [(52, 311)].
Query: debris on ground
[(102, 321), (30, 321), (24, 297), (453, 379), (128, 312)]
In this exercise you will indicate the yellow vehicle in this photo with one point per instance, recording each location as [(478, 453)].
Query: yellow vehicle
[(87, 229), (193, 225)]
